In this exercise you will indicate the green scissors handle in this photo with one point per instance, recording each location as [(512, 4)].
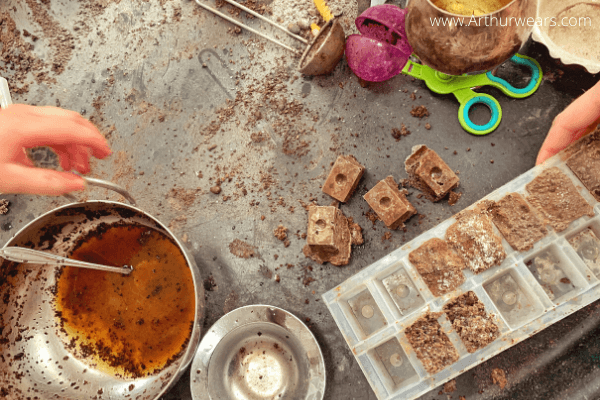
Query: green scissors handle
[(461, 86)]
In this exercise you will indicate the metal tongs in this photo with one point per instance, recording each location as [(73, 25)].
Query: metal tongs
[(30, 256)]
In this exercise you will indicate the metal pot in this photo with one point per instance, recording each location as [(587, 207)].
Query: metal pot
[(34, 360), (470, 47)]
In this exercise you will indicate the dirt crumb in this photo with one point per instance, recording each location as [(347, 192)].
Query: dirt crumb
[(242, 249), (399, 133), (215, 189), (386, 236), (4, 204), (419, 111), (454, 197), (281, 233), (450, 387), (499, 378)]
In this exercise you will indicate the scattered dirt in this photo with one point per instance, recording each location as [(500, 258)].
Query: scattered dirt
[(4, 204), (386, 236), (473, 238), (58, 38), (428, 126), (399, 133), (242, 249), (439, 266), (419, 112), (181, 199), (555, 196), (431, 344), (468, 317), (499, 378)]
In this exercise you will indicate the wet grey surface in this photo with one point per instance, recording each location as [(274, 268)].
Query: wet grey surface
[(161, 102)]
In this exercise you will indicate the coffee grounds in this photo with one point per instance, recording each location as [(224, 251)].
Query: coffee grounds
[(471, 322), (517, 222), (557, 199), (473, 238), (439, 266), (432, 346)]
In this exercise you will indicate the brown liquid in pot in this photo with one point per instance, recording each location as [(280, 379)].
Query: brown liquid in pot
[(130, 325)]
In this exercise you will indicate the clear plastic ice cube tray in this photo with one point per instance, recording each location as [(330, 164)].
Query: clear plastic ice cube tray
[(374, 307)]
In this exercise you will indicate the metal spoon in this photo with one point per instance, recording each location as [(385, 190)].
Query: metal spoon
[(30, 256)]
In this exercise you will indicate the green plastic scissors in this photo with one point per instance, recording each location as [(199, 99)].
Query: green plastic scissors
[(461, 87)]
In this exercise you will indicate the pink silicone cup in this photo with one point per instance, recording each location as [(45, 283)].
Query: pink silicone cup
[(390, 17), (374, 60)]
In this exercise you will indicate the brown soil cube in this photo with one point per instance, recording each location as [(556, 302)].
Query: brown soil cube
[(429, 173), (326, 226), (439, 266), (517, 222), (390, 203), (343, 178), (557, 199), (473, 238), (586, 164), (330, 236), (432, 346), (468, 317)]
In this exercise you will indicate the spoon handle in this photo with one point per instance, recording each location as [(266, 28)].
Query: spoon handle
[(30, 256)]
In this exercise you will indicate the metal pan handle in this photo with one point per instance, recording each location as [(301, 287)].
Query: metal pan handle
[(106, 185)]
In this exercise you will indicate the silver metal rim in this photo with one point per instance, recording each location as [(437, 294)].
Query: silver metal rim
[(243, 316)]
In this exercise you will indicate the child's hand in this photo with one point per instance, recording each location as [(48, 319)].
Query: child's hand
[(577, 120), (70, 135)]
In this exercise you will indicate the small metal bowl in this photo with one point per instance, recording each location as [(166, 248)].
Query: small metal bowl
[(258, 352)]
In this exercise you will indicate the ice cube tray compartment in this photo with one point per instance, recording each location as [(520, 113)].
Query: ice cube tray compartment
[(557, 276), (585, 242), (514, 295)]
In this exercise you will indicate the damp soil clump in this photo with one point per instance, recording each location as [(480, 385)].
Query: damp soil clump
[(555, 196), (517, 222), (474, 326), (431, 344), (586, 163), (473, 238), (439, 266)]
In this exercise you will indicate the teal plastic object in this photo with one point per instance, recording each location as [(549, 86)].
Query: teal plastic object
[(461, 87)]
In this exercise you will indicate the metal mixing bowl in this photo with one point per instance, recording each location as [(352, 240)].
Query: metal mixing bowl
[(35, 362), (258, 352)]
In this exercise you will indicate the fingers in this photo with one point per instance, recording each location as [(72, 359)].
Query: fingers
[(20, 179), (74, 158), (576, 120), (51, 126)]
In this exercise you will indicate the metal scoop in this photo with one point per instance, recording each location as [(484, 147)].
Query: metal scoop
[(321, 55), (30, 256)]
